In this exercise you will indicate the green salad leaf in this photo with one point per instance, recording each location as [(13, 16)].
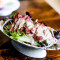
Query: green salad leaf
[(11, 16), (37, 42), (7, 32), (26, 23), (51, 32), (25, 38), (19, 37), (14, 35)]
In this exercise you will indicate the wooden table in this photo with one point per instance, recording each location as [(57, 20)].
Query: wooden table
[(44, 13)]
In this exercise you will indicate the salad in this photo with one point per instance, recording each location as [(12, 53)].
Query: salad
[(23, 29)]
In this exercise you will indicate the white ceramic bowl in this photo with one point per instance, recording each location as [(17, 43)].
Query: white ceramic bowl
[(26, 49), (24, 44), (9, 7)]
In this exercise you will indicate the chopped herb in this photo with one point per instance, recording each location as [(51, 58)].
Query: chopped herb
[(41, 43), (45, 42), (51, 32), (26, 23)]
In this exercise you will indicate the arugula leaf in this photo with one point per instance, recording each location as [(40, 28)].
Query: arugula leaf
[(14, 35), (41, 43), (20, 34), (37, 42), (7, 32), (51, 32), (18, 31), (12, 15)]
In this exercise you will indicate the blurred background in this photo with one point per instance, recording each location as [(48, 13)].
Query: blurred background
[(39, 9)]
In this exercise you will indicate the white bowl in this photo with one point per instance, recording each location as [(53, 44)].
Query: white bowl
[(25, 44), (9, 7), (26, 49)]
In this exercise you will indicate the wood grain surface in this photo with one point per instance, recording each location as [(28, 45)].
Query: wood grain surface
[(44, 13)]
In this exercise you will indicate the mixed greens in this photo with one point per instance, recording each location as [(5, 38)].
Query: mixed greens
[(22, 29)]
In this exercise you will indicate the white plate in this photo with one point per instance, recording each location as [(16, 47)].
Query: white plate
[(9, 7)]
